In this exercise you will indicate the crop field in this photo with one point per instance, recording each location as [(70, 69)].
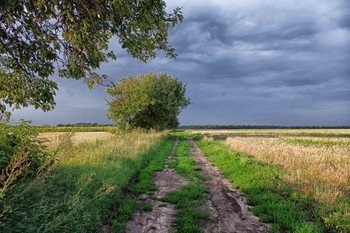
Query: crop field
[(53, 139), (50, 129), (316, 163)]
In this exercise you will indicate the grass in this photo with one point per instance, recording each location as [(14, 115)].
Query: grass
[(85, 181), (147, 207), (273, 199), (98, 128), (144, 184), (190, 197), (319, 168), (53, 139)]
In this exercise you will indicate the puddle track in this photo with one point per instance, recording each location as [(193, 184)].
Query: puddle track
[(162, 215), (227, 206)]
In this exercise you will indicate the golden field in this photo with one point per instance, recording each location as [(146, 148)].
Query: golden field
[(316, 160), (55, 138)]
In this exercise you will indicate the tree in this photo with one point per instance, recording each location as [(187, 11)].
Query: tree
[(147, 101), (38, 36)]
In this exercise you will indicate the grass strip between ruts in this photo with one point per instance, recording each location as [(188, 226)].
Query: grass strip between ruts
[(190, 197), (144, 184)]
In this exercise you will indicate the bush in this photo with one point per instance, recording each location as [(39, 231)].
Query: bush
[(22, 154)]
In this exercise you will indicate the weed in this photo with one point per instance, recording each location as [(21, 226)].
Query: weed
[(147, 207)]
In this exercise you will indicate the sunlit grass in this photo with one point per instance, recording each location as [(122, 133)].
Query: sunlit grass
[(273, 200), (314, 162), (86, 179)]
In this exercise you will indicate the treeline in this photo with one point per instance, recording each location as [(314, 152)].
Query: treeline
[(258, 127), (79, 124)]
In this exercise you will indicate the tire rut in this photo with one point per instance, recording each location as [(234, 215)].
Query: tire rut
[(161, 217), (227, 206)]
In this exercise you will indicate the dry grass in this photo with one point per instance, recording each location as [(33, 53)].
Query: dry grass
[(322, 170), (54, 138), (273, 133)]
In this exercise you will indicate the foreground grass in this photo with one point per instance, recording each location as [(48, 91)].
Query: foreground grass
[(85, 181), (144, 184), (190, 197), (273, 200)]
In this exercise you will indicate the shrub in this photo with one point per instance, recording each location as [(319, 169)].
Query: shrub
[(22, 154)]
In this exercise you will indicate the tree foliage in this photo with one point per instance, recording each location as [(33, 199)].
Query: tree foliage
[(147, 101), (37, 36)]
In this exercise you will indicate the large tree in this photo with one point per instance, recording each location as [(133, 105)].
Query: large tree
[(147, 101), (38, 36)]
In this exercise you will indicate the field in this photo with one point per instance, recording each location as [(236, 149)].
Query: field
[(53, 139), (85, 181), (314, 162), (186, 181)]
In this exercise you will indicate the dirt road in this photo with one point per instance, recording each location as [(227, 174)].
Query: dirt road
[(226, 206)]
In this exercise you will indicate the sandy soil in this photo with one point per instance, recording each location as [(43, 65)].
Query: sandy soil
[(227, 206)]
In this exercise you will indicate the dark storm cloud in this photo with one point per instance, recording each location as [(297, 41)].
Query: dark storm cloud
[(244, 62)]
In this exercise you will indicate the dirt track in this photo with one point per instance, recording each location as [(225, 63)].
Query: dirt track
[(226, 206), (162, 215)]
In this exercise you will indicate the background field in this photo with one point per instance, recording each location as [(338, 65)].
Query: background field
[(55, 138)]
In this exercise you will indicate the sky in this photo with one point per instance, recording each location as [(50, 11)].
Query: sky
[(252, 62)]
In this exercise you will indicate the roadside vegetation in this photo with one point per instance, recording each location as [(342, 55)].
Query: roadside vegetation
[(84, 181), (143, 184), (286, 175)]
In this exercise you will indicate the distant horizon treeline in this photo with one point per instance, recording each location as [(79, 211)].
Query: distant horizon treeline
[(258, 127), (89, 124), (84, 124)]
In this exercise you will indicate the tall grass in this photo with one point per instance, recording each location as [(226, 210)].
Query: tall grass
[(320, 168), (85, 181), (322, 171)]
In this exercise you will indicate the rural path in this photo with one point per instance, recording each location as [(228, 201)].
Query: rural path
[(162, 215), (227, 207)]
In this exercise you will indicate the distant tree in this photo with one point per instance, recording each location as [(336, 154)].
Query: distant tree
[(36, 36), (147, 101)]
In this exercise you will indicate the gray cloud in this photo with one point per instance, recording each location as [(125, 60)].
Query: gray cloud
[(244, 62)]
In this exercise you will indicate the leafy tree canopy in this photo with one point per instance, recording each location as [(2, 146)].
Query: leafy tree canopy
[(38, 35), (147, 101)]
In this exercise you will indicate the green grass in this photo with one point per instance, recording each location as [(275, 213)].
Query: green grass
[(147, 207), (273, 200), (190, 197), (86, 180), (144, 184)]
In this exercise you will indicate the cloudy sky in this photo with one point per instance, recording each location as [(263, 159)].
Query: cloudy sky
[(258, 62)]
